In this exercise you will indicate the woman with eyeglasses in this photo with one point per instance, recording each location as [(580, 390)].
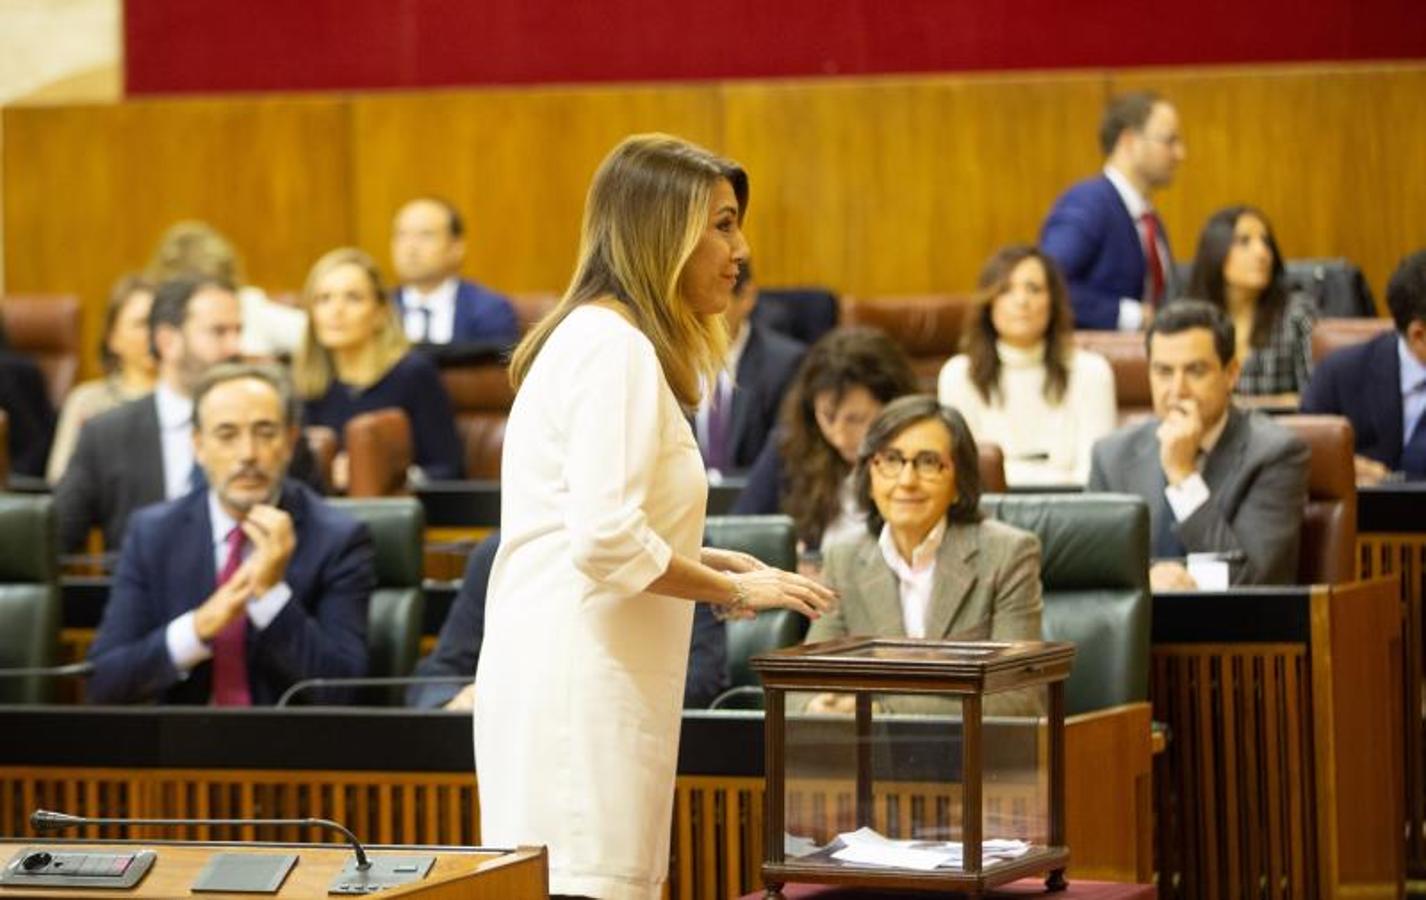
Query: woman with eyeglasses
[(929, 565)]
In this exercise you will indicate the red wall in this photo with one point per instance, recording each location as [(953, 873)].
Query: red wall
[(258, 45)]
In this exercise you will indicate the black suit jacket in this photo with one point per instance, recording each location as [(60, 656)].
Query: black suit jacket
[(31, 418), (167, 568), (766, 368), (117, 468), (1363, 383)]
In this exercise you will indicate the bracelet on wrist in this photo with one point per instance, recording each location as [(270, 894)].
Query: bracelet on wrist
[(740, 603)]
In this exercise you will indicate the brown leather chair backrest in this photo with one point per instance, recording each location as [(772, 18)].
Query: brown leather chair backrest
[(531, 307), (927, 326), (481, 395), (992, 468), (4, 450), (323, 443), (1130, 362), (1328, 553), (45, 327), (1330, 335), (379, 453)]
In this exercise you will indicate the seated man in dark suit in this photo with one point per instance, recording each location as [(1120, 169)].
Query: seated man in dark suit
[(1103, 231), (1217, 480), (234, 592), (737, 416), (1380, 385), (142, 451), (458, 648), (436, 305), (27, 407)]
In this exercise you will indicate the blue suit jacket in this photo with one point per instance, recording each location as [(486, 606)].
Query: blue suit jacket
[(481, 315), (167, 568), (1090, 235), (1363, 383)]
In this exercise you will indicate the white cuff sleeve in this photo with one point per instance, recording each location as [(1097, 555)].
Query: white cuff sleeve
[(1187, 496), (264, 609), (184, 646), (1131, 315)]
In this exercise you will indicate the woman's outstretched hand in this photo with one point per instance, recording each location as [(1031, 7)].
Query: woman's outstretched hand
[(769, 588)]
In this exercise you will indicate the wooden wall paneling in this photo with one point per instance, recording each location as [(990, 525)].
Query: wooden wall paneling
[(89, 189), (516, 162), (1331, 155), (904, 185)]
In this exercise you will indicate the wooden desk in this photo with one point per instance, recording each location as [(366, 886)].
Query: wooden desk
[(398, 776), (1283, 768), (459, 872), (1391, 538)]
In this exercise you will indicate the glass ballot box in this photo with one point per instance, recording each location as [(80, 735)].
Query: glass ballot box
[(915, 764)]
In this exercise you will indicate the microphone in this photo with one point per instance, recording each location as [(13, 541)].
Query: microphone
[(48, 820), (75, 670), (393, 681)]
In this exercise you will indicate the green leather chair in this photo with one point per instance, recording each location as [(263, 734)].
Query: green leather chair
[(1094, 565), (773, 540), (397, 606), (29, 594)]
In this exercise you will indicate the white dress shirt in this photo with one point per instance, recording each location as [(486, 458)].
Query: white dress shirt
[(1131, 309), (175, 431), (915, 579), (430, 318), (185, 648)]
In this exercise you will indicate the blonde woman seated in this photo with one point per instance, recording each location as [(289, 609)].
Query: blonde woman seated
[(129, 369), (1021, 383), (356, 359), (929, 565)]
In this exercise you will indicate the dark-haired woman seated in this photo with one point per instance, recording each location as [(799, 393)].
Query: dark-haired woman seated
[(806, 467), (1239, 269), (1021, 383), (356, 359), (927, 564)]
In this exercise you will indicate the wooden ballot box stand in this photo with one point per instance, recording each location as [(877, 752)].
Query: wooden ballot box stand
[(457, 872)]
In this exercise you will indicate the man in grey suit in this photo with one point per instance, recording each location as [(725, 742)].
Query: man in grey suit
[(1218, 480), (142, 452)]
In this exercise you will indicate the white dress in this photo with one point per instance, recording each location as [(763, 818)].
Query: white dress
[(580, 683)]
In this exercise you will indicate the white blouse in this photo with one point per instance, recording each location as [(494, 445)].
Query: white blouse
[(1044, 443)]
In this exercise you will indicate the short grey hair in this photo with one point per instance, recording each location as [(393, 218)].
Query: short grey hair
[(273, 376)]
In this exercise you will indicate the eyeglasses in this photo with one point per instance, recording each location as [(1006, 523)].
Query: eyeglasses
[(928, 464)]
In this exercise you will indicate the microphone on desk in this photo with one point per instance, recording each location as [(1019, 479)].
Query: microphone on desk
[(71, 670), (48, 820), (393, 681)]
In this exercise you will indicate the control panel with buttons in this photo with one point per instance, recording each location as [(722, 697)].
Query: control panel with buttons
[(39, 867)]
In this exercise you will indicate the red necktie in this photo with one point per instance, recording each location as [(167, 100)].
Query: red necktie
[(1151, 255), (230, 651)]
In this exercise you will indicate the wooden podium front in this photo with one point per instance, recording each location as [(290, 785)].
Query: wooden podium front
[(467, 873)]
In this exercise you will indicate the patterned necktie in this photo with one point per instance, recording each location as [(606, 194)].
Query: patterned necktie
[(716, 456), (1151, 256), (230, 650)]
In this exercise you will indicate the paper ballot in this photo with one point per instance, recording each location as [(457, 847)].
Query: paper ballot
[(867, 847)]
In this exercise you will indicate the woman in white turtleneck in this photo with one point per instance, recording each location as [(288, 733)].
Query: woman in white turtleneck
[(1021, 383)]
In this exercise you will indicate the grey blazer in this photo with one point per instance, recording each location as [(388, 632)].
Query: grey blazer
[(986, 587), (117, 468), (1257, 479)]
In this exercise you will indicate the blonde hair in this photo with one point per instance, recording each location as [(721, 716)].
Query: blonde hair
[(313, 370), (194, 249), (646, 211)]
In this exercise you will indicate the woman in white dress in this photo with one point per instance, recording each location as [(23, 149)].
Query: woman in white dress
[(1021, 383), (580, 680)]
